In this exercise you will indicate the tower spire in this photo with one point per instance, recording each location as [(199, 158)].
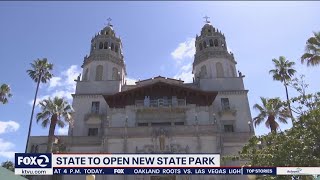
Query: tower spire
[(206, 17), (109, 21)]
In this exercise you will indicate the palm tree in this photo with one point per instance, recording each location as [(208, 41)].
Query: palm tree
[(54, 112), (270, 111), (8, 165), (4, 93), (39, 72), (283, 72), (312, 54)]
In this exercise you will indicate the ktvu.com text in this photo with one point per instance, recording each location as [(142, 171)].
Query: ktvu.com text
[(139, 164)]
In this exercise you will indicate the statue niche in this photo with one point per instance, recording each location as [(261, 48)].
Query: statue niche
[(160, 145), (162, 139)]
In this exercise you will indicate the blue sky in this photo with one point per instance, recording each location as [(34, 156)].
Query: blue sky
[(158, 40)]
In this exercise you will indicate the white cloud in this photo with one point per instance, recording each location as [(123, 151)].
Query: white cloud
[(131, 81), (62, 85), (184, 50), (54, 82), (71, 74), (6, 149), (63, 131), (183, 55), (8, 126), (185, 73)]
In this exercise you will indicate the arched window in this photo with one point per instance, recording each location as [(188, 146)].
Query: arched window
[(99, 72), (112, 46), (219, 69), (116, 48), (85, 76), (232, 71), (204, 44), (203, 71), (211, 43), (216, 44), (100, 45), (105, 45), (200, 46), (115, 74), (95, 45)]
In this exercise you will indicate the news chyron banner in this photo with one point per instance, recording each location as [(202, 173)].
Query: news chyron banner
[(138, 164)]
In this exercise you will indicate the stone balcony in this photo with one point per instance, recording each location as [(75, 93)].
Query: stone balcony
[(94, 115), (161, 103), (188, 131), (231, 110), (95, 118)]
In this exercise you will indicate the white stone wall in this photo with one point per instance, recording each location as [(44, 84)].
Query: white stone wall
[(98, 87), (117, 117), (211, 67), (238, 101), (82, 106), (107, 70), (222, 84), (202, 113), (85, 149)]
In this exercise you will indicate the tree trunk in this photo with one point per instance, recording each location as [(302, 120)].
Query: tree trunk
[(288, 101), (34, 104), (52, 128), (272, 123)]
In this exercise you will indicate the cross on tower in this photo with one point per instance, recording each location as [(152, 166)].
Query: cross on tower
[(109, 21), (206, 17)]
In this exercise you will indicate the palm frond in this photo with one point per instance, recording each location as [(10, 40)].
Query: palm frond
[(269, 111), (40, 68), (56, 107), (5, 93), (45, 123), (61, 124), (283, 69), (312, 50)]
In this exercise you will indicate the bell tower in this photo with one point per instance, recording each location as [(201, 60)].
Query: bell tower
[(212, 61), (104, 66)]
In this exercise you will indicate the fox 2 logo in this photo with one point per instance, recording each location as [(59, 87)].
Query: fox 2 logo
[(33, 160)]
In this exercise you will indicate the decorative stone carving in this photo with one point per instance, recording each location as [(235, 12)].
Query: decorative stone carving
[(162, 139), (172, 148), (160, 135), (103, 57), (215, 54)]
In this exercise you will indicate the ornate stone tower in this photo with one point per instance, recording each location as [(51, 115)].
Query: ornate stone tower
[(105, 62), (214, 69), (212, 59), (104, 72)]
